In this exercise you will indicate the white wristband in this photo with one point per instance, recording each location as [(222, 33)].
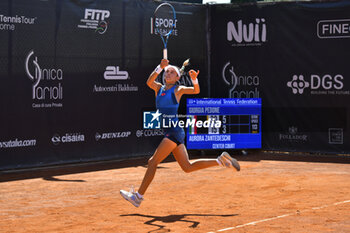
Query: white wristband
[(195, 81), (158, 69)]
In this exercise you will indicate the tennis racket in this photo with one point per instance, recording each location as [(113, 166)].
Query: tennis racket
[(163, 24)]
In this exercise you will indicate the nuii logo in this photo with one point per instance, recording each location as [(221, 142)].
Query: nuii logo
[(319, 84), (46, 81), (250, 82), (95, 19), (338, 28), (245, 34)]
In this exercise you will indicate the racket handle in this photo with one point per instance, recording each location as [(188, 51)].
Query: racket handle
[(165, 54)]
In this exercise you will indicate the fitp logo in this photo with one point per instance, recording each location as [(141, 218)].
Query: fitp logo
[(298, 84), (151, 120), (102, 27), (95, 19)]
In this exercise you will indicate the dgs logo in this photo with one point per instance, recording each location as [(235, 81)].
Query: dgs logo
[(317, 82)]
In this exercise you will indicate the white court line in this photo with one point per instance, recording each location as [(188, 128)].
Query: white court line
[(281, 216)]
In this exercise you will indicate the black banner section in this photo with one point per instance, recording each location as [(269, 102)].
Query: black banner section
[(293, 56), (73, 74), (74, 78)]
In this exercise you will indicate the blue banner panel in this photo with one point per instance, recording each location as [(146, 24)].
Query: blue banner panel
[(224, 123)]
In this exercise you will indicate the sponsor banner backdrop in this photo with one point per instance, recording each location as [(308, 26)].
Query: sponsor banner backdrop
[(293, 56), (74, 78)]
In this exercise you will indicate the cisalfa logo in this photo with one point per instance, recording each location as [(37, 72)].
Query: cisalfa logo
[(67, 138), (253, 33), (236, 83)]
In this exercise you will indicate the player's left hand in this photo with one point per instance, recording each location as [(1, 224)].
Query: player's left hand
[(193, 74)]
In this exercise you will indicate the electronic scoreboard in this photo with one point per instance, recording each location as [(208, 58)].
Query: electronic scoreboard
[(231, 123)]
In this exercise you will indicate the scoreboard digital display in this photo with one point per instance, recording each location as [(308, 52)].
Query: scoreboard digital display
[(239, 128)]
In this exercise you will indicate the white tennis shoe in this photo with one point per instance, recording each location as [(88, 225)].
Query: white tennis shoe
[(227, 161), (131, 197)]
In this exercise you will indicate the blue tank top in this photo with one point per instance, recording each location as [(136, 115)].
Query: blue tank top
[(167, 104)]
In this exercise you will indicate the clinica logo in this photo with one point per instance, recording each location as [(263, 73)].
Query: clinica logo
[(245, 34), (47, 82), (241, 86)]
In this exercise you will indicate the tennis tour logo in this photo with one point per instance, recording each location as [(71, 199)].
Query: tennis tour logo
[(155, 120), (326, 84), (8, 23), (247, 34), (338, 28), (47, 83), (96, 20)]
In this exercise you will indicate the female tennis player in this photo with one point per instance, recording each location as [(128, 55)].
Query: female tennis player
[(167, 102)]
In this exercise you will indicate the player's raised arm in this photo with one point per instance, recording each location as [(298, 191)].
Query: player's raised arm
[(151, 81), (191, 90)]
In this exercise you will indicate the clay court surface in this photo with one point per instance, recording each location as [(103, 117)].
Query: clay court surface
[(270, 194)]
